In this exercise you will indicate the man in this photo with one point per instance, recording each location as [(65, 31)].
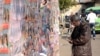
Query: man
[(91, 17), (80, 38), (83, 15)]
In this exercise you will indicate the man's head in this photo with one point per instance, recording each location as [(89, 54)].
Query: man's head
[(44, 2), (91, 10), (75, 20)]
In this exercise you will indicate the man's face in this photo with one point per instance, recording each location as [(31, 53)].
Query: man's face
[(75, 23), (43, 2)]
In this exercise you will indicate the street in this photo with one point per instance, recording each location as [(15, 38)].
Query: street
[(65, 47), (96, 46)]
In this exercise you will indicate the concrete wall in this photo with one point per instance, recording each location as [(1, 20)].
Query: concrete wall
[(84, 1), (97, 1)]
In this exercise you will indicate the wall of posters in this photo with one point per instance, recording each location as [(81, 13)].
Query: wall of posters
[(33, 28), (1, 11)]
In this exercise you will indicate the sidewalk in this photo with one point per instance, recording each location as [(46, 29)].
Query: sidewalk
[(65, 47)]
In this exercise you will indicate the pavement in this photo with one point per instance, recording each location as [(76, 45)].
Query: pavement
[(65, 47)]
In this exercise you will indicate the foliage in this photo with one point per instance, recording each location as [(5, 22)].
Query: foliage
[(66, 3)]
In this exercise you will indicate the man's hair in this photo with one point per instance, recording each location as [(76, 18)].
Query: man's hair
[(74, 18), (45, 2), (91, 10)]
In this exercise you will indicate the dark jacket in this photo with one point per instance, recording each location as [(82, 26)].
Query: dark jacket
[(81, 40)]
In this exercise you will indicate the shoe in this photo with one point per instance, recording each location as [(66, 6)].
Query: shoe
[(42, 54), (1, 46), (5, 45), (93, 38)]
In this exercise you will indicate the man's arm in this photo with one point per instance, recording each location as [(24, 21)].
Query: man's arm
[(88, 18), (84, 37), (95, 16)]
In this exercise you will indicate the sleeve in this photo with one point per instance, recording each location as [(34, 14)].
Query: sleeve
[(83, 38)]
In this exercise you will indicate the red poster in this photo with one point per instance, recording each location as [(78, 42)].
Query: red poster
[(7, 1)]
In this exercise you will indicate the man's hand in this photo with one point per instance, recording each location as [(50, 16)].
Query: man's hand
[(70, 41)]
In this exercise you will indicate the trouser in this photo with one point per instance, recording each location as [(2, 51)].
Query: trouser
[(4, 38), (92, 26)]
